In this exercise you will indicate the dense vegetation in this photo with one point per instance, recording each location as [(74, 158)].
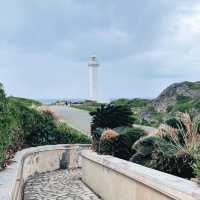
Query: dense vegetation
[(182, 104), (111, 116), (140, 103), (161, 154), (87, 105), (22, 125), (182, 97), (174, 149), (25, 102), (116, 142)]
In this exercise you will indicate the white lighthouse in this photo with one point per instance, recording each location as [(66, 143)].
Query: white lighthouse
[(93, 77)]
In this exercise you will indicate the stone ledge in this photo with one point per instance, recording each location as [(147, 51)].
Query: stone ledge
[(29, 161), (171, 186)]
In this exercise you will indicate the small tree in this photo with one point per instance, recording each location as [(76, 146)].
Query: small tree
[(111, 116)]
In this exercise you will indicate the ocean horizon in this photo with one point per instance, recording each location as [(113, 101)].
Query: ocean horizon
[(54, 100)]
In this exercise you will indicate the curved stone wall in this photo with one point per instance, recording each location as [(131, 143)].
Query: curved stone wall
[(37, 160), (116, 179), (110, 178)]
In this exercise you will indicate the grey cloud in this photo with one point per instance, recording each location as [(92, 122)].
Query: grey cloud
[(137, 42)]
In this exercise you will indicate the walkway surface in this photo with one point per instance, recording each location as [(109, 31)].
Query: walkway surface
[(81, 119), (57, 185), (76, 118)]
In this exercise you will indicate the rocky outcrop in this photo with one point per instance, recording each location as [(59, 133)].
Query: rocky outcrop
[(169, 96), (175, 94)]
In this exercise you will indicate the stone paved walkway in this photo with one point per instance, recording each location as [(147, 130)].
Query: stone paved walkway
[(57, 185)]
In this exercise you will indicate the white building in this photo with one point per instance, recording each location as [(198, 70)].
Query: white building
[(93, 78)]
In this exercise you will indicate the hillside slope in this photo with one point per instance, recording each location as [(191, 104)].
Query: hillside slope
[(26, 102), (176, 92), (184, 97)]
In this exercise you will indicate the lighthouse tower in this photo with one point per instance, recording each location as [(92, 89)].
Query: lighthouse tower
[(93, 77)]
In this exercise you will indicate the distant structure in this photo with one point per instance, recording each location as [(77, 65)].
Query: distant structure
[(93, 77)]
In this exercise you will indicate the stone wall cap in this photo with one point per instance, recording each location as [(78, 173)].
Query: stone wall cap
[(172, 186)]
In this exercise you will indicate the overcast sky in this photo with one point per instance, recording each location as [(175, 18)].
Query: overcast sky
[(142, 45)]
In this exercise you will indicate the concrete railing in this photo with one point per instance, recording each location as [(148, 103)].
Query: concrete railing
[(116, 179), (37, 160)]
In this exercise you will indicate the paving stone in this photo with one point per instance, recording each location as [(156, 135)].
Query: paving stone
[(57, 185)]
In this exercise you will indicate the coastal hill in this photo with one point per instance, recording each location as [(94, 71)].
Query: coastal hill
[(184, 91), (184, 97)]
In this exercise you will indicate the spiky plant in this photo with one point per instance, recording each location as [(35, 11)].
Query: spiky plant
[(185, 137), (111, 116)]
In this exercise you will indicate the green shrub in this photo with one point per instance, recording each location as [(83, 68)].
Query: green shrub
[(68, 135), (5, 138), (143, 149), (166, 158), (111, 116), (46, 131), (121, 102), (161, 154), (184, 107), (87, 105), (23, 126), (183, 99), (131, 102), (23, 101), (120, 146), (39, 128), (34, 128), (108, 146)]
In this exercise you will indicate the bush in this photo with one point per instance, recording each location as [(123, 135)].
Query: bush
[(167, 158), (23, 101), (183, 99), (39, 128), (161, 154), (120, 145), (22, 126), (42, 129), (131, 102), (107, 144), (111, 116), (5, 138), (68, 135), (143, 149), (87, 105)]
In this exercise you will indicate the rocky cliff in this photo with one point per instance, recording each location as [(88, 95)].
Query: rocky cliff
[(184, 97), (174, 92)]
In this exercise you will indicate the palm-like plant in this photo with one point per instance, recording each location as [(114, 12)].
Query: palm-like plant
[(112, 116), (108, 117), (186, 137)]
